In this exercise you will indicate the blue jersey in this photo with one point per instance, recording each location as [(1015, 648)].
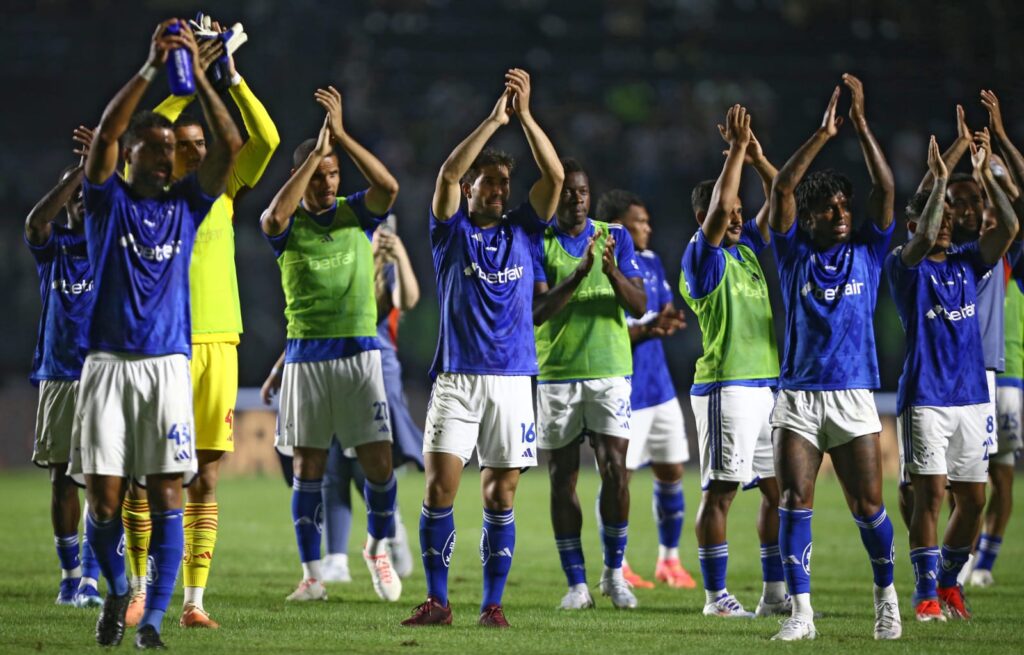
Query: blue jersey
[(66, 289), (140, 250), (829, 298), (652, 383), (485, 280), (991, 300), (938, 306)]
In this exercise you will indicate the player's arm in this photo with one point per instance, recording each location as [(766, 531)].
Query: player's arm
[(406, 293), (275, 219), (995, 241), (548, 301), (629, 291), (381, 293), (782, 206), (883, 188), (544, 192), (668, 320), (383, 186), (38, 223), (767, 172), (1011, 155), (214, 172), (725, 197), (272, 385), (927, 232), (447, 193), (955, 152), (102, 159)]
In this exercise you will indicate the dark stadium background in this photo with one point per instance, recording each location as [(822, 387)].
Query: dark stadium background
[(632, 89)]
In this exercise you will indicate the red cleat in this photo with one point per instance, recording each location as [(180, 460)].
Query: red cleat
[(493, 617), (430, 613), (929, 610), (633, 578), (954, 603), (672, 573)]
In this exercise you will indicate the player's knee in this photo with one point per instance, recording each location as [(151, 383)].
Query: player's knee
[(796, 498)]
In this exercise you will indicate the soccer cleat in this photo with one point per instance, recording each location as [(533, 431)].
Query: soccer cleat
[(929, 610), (68, 590), (136, 609), (782, 607), (147, 638), (310, 589), (672, 573), (981, 578), (616, 588), (795, 628), (888, 624), (385, 582), (430, 613), (634, 579), (726, 606), (110, 625), (493, 617), (196, 617), (398, 549), (953, 603), (88, 596), (334, 568), (577, 598)]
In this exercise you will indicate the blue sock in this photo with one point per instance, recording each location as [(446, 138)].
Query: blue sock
[(714, 562), (497, 544), (105, 538), (771, 563), (570, 551), (336, 496), (795, 548), (926, 564), (877, 535), (437, 539), (613, 535), (90, 569), (950, 563), (669, 512), (305, 507), (988, 550), (67, 551), (380, 506), (166, 546)]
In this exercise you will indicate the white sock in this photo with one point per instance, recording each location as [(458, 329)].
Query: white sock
[(802, 606), (579, 587), (614, 574), (71, 573), (88, 582), (774, 592), (311, 570), (375, 546), (139, 585), (338, 559), (664, 552), (194, 596), (885, 593), (712, 596)]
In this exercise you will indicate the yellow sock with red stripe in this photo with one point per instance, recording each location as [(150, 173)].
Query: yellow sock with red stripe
[(137, 528), (200, 538)]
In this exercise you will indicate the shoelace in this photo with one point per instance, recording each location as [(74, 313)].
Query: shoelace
[(793, 624), (887, 615), (383, 568)]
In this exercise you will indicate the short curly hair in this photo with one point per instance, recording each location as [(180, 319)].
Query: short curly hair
[(818, 187)]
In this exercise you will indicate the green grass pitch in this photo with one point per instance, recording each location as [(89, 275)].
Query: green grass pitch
[(256, 565)]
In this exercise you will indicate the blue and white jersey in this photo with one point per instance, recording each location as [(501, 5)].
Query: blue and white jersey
[(652, 382), (66, 289), (829, 298), (485, 280), (140, 250), (938, 306)]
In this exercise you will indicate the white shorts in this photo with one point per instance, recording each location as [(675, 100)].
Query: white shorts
[(133, 416), (341, 398), (659, 436), (991, 425), (491, 413), (950, 441), (734, 435), (827, 419), (55, 417), (1008, 413), (565, 410)]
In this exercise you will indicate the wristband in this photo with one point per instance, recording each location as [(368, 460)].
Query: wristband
[(236, 79), (148, 72)]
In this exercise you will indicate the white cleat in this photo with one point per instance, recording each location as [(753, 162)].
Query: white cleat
[(965, 572), (577, 598), (386, 582), (334, 568), (727, 607), (398, 549), (981, 578), (783, 607), (796, 628), (615, 587), (309, 589), (888, 624)]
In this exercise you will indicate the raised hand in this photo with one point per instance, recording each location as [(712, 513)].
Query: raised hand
[(830, 122), (984, 139), (667, 322), (995, 113), (517, 81), (162, 43), (188, 40), (936, 165), (271, 386), (502, 109), (979, 157), (587, 262), (962, 131), (330, 100), (324, 148), (608, 256), (82, 135), (231, 58), (856, 88), (209, 51), (737, 126)]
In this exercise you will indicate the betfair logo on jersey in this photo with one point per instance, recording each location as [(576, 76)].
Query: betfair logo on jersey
[(967, 311), (593, 293), (70, 288), (510, 274), (851, 288), (334, 261), (157, 253), (745, 289)]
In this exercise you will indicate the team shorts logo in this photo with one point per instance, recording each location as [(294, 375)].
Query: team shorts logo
[(181, 436)]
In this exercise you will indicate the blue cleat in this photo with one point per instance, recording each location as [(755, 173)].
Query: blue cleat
[(68, 588), (88, 596)]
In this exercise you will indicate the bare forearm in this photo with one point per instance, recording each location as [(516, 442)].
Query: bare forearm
[(994, 243), (281, 208), (930, 221), (102, 159), (37, 224), (782, 204), (383, 185), (551, 301), (1011, 155), (883, 189), (213, 172), (631, 295), (544, 193), (407, 286), (725, 196), (951, 158), (446, 192)]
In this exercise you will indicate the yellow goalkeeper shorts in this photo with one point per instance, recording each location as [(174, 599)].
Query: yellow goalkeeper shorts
[(214, 392)]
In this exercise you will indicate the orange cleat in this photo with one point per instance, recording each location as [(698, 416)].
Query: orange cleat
[(633, 578), (493, 617), (953, 603), (672, 573), (196, 617), (136, 608), (929, 610)]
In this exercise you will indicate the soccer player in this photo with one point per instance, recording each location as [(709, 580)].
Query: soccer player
[(66, 290), (732, 398), (829, 273), (485, 268), (945, 421), (658, 434), (332, 384), (583, 387), (134, 410), (216, 326)]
